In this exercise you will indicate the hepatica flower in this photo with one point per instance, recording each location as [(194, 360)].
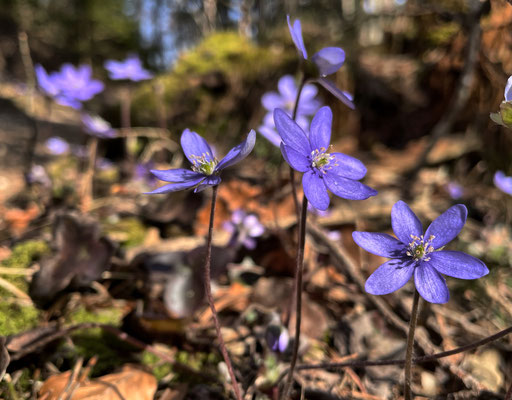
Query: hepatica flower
[(244, 228), (96, 126), (76, 85), (57, 146), (205, 167), (327, 61), (46, 81), (418, 254), (130, 69), (323, 170), (503, 182), (285, 99)]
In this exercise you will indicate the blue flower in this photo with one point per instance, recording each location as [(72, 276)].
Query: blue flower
[(416, 254), (46, 81), (57, 146), (205, 167), (508, 89), (323, 170), (97, 126), (327, 60), (130, 69), (285, 99), (503, 182), (244, 228), (76, 85)]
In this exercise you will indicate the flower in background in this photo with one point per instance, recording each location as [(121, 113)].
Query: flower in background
[(277, 338), (323, 171), (205, 167), (503, 182), (38, 175), (455, 190), (143, 173), (104, 164), (244, 228), (130, 69), (415, 254), (327, 60), (285, 99), (76, 85), (508, 90), (46, 81), (97, 126), (57, 146), (319, 213)]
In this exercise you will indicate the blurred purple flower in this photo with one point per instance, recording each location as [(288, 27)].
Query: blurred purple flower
[(57, 145), (320, 213), (323, 171), (46, 82), (143, 173), (244, 228), (205, 167), (97, 126), (455, 190), (503, 182), (277, 338), (327, 60), (76, 85), (130, 69), (38, 175), (415, 254)]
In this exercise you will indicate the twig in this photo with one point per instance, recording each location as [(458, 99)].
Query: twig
[(14, 290)]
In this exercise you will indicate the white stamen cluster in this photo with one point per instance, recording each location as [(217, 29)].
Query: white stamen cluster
[(320, 160), (419, 248), (202, 164)]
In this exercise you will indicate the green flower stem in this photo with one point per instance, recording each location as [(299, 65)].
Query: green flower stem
[(410, 346), (209, 296), (298, 293)]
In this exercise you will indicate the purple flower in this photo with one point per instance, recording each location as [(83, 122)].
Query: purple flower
[(205, 167), (143, 173), (76, 85), (38, 175), (415, 253), (130, 69), (57, 146), (455, 190), (244, 228), (327, 60), (323, 171), (508, 89), (46, 82), (97, 126), (277, 338), (503, 182)]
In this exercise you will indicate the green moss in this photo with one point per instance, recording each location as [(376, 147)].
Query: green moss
[(129, 232), (443, 33), (159, 368), (15, 318), (111, 316)]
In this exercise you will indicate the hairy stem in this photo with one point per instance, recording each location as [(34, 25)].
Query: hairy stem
[(209, 296), (410, 346), (298, 294)]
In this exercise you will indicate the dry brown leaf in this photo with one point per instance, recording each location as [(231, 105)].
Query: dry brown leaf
[(18, 219), (129, 384)]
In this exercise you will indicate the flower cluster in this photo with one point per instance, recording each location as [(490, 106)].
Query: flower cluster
[(130, 69), (71, 86), (244, 228), (418, 254)]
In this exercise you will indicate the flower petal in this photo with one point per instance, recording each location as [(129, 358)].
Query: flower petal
[(347, 188), (503, 182), (296, 160), (320, 129), (291, 133), (296, 32), (288, 88), (331, 87), (430, 284), (457, 264), (272, 100), (390, 276), (211, 180), (238, 153), (508, 89), (315, 190), (174, 187), (405, 223), (329, 60), (380, 244), (270, 134), (447, 226), (347, 166), (175, 175), (195, 146)]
